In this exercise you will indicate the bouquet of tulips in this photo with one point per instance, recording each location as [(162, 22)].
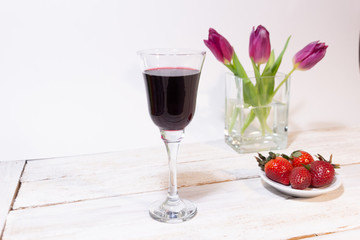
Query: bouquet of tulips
[(262, 92)]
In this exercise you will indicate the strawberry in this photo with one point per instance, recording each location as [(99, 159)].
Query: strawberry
[(276, 168), (300, 178), (300, 158), (322, 172)]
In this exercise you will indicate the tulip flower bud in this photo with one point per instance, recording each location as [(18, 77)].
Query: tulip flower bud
[(259, 46), (219, 46), (310, 55)]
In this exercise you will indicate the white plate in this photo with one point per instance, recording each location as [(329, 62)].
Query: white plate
[(308, 192)]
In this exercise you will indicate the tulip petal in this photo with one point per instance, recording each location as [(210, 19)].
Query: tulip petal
[(310, 55), (312, 59), (227, 49), (259, 45), (213, 36), (305, 52), (219, 46), (214, 49)]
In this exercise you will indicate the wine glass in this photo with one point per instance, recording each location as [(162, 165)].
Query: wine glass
[(171, 80)]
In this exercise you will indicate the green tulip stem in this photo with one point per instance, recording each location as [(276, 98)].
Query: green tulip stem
[(238, 70), (283, 81), (234, 116), (248, 120), (235, 113)]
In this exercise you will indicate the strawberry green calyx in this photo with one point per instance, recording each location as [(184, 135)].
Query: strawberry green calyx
[(296, 153), (307, 166), (286, 156), (262, 160), (321, 158), (300, 157)]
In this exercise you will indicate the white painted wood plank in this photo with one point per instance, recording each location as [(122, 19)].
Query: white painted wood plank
[(348, 234), (113, 174), (88, 164), (340, 142), (243, 209), (117, 181), (10, 173), (343, 143)]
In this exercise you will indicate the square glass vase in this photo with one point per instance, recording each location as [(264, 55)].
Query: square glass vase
[(258, 127)]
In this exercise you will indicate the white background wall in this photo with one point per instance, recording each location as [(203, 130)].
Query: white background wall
[(70, 81)]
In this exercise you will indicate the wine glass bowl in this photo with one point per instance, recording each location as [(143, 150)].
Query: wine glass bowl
[(171, 80), (172, 96)]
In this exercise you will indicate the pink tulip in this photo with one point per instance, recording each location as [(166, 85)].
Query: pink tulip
[(259, 46), (310, 55), (219, 46)]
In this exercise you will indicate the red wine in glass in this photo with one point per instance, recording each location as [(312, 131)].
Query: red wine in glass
[(171, 96), (171, 81)]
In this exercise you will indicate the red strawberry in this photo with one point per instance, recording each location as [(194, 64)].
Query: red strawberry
[(300, 178), (276, 168), (322, 172), (300, 158)]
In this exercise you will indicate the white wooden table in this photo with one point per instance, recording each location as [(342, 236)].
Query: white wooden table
[(106, 196)]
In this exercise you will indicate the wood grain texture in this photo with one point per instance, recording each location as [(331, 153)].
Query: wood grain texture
[(346, 233), (343, 143), (241, 209), (104, 175), (10, 173), (70, 180), (106, 196)]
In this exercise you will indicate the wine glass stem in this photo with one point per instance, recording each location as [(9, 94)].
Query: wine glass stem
[(172, 141)]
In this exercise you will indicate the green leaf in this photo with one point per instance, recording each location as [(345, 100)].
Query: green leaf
[(267, 81), (260, 84), (270, 71), (250, 117), (256, 69), (231, 68), (269, 63), (239, 70), (249, 91), (270, 84), (276, 65), (234, 116)]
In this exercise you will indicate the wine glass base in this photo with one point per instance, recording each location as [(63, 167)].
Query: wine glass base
[(172, 212)]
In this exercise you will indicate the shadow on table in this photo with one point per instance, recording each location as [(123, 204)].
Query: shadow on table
[(321, 198), (326, 197)]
